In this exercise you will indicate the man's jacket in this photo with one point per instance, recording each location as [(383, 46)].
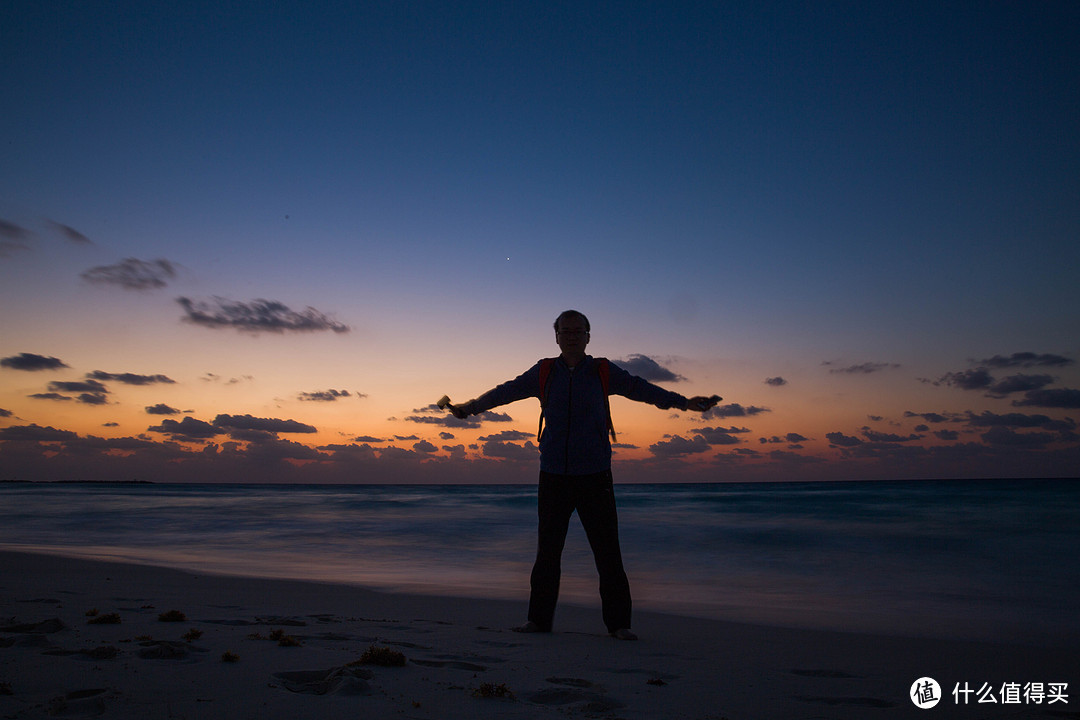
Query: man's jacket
[(575, 437)]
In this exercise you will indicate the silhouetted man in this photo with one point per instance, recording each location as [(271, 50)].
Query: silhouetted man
[(575, 464)]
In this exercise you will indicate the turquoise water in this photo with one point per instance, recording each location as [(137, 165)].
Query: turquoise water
[(977, 559)]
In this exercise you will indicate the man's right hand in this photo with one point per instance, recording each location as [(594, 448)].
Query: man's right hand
[(701, 403)]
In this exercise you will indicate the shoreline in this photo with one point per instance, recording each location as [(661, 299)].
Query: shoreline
[(56, 662)]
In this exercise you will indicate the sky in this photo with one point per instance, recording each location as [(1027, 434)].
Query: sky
[(255, 242)]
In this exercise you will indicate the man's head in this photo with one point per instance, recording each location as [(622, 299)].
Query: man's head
[(572, 334), (569, 314)]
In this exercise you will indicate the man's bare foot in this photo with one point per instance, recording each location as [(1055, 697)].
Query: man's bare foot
[(529, 627)]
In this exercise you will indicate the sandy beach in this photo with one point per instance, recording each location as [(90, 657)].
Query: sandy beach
[(81, 638)]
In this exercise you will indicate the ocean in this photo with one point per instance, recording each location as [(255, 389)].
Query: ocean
[(986, 559)]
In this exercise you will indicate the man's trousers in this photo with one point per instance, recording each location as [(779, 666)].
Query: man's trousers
[(593, 497)]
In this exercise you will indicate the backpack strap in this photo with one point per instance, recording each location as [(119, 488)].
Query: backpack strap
[(603, 370), (545, 372)]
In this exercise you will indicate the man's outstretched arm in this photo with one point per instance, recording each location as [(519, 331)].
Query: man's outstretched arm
[(525, 385)]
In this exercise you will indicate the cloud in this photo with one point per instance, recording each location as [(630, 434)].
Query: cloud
[(946, 434), (507, 436), (719, 435), (733, 410), (424, 446), (257, 316), (367, 439), (11, 231), (31, 362), (70, 233), (133, 274), (432, 415), (862, 368), (272, 425), (91, 392), (1005, 436), (1051, 398), (510, 451), (645, 367), (793, 440), (1026, 360), (977, 379), (35, 433), (78, 386), (678, 446), (880, 437), (1018, 383), (989, 419), (12, 238), (86, 398), (187, 429), (932, 417), (5, 413), (776, 381), (161, 409), (327, 395), (841, 440), (131, 378)]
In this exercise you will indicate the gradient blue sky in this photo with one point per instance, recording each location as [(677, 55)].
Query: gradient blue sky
[(878, 204)]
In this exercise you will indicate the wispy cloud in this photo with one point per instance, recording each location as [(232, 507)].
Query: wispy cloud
[(327, 395), (133, 274), (1026, 360), (11, 231), (161, 409), (32, 362), (862, 368), (257, 316), (12, 238), (70, 233), (274, 425), (733, 410), (130, 378)]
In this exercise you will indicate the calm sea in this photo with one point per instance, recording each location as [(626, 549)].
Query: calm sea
[(976, 559)]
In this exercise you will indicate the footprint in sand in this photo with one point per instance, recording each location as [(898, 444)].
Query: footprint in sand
[(79, 703), (335, 681), (52, 625), (455, 664), (167, 650), (583, 695)]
